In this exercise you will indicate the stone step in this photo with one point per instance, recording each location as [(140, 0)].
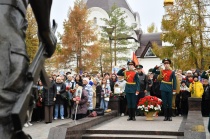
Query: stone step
[(135, 132), (123, 136), (128, 134)]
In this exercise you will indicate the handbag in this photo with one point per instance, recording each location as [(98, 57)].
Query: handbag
[(100, 112), (64, 96), (92, 114), (106, 99)]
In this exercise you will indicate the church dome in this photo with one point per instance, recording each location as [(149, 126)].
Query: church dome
[(168, 2)]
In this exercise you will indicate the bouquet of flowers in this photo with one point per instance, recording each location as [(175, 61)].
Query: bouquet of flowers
[(149, 104)]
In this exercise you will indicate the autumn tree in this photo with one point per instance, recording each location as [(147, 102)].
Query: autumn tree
[(117, 32), (152, 28), (186, 31), (31, 34), (78, 39)]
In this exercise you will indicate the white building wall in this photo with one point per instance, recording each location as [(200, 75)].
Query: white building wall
[(149, 63), (99, 13)]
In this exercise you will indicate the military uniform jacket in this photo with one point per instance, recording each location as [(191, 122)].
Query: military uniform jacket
[(132, 81), (168, 83)]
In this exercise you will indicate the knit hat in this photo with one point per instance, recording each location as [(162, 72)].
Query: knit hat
[(86, 79), (189, 72)]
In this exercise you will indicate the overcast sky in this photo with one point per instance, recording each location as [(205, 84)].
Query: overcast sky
[(149, 11)]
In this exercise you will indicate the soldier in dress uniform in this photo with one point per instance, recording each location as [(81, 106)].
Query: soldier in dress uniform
[(132, 88), (14, 57), (167, 87)]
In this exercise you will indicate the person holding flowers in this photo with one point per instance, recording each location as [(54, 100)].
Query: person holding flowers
[(167, 87), (132, 88), (70, 89)]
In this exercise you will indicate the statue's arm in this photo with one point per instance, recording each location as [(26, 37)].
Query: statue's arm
[(41, 9)]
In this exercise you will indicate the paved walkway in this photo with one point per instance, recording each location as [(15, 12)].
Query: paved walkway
[(40, 130)]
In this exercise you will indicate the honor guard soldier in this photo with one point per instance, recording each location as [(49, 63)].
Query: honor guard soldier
[(167, 87), (132, 88)]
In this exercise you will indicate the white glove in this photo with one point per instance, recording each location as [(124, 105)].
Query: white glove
[(174, 93)]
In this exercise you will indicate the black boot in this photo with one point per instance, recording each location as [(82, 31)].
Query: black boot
[(130, 114), (170, 114), (174, 112), (166, 115), (133, 114), (138, 112)]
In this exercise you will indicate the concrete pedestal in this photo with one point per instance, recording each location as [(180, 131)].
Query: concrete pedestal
[(194, 126), (114, 104), (194, 104)]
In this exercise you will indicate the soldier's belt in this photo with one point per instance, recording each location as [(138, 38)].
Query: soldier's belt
[(130, 83), (166, 82), (16, 4)]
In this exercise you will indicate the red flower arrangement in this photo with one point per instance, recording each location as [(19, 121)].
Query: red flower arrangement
[(72, 91), (149, 103), (67, 88)]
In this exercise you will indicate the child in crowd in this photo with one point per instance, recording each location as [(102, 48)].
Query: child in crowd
[(184, 94), (105, 94)]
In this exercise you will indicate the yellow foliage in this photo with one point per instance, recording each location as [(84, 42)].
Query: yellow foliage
[(31, 35)]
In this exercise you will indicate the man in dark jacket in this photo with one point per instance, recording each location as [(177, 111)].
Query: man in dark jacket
[(143, 85), (59, 102), (206, 99)]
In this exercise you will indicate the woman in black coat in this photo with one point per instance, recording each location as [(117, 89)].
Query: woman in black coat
[(48, 98)]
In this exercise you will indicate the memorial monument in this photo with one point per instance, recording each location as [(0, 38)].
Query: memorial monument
[(16, 75)]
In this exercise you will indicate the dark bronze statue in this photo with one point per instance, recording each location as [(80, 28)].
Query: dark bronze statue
[(16, 76)]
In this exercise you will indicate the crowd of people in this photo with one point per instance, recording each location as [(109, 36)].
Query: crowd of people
[(70, 96), (75, 96)]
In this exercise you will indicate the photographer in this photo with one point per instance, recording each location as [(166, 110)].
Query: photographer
[(206, 75)]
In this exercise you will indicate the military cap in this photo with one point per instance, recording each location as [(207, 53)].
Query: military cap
[(166, 59), (139, 66), (131, 62)]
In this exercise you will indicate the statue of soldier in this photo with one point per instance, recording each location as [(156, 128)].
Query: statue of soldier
[(13, 56)]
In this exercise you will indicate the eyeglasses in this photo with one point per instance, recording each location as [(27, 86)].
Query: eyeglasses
[(130, 64), (166, 63)]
